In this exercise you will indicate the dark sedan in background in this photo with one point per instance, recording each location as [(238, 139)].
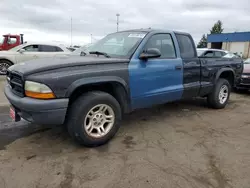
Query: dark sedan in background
[(245, 77)]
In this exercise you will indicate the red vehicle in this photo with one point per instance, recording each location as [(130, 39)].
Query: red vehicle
[(10, 41)]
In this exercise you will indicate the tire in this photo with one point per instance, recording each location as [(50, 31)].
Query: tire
[(77, 119), (214, 99), (4, 65)]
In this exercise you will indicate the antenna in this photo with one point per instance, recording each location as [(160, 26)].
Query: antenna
[(71, 31), (117, 15)]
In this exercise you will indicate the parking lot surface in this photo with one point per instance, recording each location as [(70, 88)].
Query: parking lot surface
[(3, 100), (181, 144)]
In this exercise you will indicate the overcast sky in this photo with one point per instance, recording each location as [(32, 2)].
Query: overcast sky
[(49, 20)]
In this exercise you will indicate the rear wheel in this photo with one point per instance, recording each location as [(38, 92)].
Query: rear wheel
[(94, 118), (4, 65), (219, 97)]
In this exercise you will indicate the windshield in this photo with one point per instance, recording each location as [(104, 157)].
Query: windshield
[(230, 55), (120, 44), (17, 48), (1, 40)]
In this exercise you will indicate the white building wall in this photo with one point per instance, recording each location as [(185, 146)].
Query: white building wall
[(247, 50), (226, 46), (237, 47)]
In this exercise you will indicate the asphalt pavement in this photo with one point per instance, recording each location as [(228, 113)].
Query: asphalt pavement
[(182, 144), (9, 130), (175, 145), (3, 100)]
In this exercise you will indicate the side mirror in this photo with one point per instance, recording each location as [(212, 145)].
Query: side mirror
[(21, 51), (150, 53)]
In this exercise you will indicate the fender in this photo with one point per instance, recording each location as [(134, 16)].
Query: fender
[(6, 59), (93, 80), (223, 70)]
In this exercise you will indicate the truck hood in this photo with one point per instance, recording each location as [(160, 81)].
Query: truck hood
[(4, 53), (45, 64)]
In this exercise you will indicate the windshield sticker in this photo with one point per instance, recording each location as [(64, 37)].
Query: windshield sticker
[(137, 35)]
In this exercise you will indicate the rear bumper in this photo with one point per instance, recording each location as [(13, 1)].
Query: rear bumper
[(44, 112)]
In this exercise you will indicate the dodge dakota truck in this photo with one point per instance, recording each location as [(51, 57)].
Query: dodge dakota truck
[(122, 72)]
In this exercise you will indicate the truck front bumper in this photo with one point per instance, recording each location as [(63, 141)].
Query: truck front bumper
[(42, 112)]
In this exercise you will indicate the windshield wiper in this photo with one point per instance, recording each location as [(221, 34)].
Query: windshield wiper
[(99, 53)]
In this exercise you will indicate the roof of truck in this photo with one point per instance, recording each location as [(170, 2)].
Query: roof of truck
[(148, 30)]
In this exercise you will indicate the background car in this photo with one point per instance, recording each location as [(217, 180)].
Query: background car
[(215, 53), (245, 77), (247, 61), (81, 50), (29, 51), (71, 49)]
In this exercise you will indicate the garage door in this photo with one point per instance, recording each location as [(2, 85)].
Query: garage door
[(237, 47)]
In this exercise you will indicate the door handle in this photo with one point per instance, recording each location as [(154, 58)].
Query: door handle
[(178, 67)]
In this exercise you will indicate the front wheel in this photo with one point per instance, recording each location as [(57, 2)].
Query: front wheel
[(93, 118), (219, 97)]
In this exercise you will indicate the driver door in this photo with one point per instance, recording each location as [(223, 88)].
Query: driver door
[(30, 52), (156, 80)]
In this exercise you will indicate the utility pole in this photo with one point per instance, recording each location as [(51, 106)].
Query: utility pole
[(71, 32), (117, 15), (90, 38)]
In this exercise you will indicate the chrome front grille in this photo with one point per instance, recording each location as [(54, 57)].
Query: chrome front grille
[(16, 83)]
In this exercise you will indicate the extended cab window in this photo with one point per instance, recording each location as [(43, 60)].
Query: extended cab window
[(164, 43), (187, 47), (31, 48)]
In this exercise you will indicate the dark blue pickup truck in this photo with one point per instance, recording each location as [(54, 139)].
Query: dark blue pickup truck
[(122, 72)]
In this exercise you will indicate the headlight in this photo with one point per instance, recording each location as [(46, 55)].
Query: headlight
[(38, 91)]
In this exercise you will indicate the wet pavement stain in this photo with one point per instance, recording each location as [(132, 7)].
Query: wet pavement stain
[(219, 176), (30, 157), (66, 183), (9, 135), (128, 142)]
